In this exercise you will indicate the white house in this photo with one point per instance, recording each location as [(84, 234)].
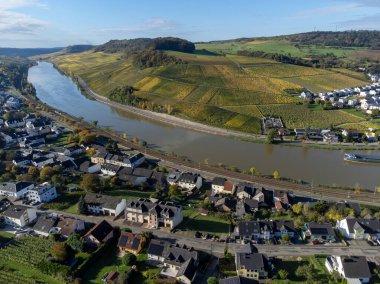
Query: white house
[(190, 181), (19, 216), (15, 190), (359, 229), (43, 193), (354, 269), (106, 205)]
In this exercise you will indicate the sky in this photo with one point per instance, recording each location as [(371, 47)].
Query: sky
[(58, 23)]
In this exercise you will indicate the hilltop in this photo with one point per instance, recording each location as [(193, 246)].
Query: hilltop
[(225, 84)]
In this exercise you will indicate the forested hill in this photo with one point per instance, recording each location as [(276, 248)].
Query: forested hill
[(364, 38), (370, 39), (77, 48), (26, 52), (132, 46)]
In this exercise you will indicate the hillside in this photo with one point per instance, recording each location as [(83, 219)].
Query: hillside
[(227, 91), (26, 52)]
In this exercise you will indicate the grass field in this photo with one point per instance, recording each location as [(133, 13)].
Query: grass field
[(228, 91)]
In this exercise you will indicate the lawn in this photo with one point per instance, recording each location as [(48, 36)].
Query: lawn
[(111, 262), (129, 193), (195, 222), (5, 236)]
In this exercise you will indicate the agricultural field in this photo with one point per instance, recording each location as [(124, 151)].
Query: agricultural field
[(229, 91), (18, 261)]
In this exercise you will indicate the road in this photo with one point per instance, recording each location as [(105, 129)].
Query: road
[(218, 248)]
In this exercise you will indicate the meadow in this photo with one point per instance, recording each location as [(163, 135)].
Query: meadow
[(228, 91)]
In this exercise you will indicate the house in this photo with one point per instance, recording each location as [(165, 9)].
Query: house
[(238, 280), (244, 191), (354, 269), (322, 232), (179, 261), (330, 137), (225, 204), (252, 265), (14, 123), (157, 250), (246, 206), (41, 162), (131, 160), (4, 204), (106, 205), (132, 243), (222, 186), (19, 215), (173, 178), (131, 179), (359, 229), (247, 231), (109, 169), (99, 234), (190, 181), (154, 213), (43, 193), (22, 161), (15, 190), (44, 225), (89, 167), (68, 225)]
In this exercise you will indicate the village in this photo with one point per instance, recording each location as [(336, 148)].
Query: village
[(89, 201)]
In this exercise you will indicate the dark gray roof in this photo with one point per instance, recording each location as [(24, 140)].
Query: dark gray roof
[(321, 229), (44, 224), (158, 247), (111, 167), (370, 225), (219, 181), (103, 201), (355, 267), (101, 230), (251, 261), (178, 255), (238, 280), (14, 186), (188, 178), (143, 172), (248, 228), (188, 269), (161, 208), (15, 211)]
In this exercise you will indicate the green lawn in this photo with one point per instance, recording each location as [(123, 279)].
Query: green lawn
[(210, 224), (5, 236), (129, 193)]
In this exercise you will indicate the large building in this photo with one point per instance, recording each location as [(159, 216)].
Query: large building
[(252, 265), (19, 216), (106, 205), (15, 190), (359, 229), (154, 213), (354, 269), (45, 192)]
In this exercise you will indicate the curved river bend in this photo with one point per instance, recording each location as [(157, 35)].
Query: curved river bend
[(313, 165)]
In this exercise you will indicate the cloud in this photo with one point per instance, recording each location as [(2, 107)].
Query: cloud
[(14, 22), (325, 11), (149, 25), (371, 22)]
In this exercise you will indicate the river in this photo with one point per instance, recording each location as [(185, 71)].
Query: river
[(313, 165)]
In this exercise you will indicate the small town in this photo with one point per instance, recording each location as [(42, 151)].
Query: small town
[(88, 204)]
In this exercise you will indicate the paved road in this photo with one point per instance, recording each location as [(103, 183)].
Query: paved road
[(218, 248)]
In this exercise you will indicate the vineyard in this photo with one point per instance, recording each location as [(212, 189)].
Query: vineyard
[(229, 91), (18, 261)]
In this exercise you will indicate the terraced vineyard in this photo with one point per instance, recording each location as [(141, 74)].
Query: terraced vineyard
[(228, 91)]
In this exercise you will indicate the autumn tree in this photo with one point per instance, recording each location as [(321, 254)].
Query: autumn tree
[(91, 183), (59, 252), (46, 173), (276, 174)]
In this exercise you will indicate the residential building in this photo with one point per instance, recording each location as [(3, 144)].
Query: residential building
[(252, 265), (132, 243), (157, 250), (43, 193), (68, 225), (190, 181), (354, 269), (222, 186), (244, 191), (100, 233), (322, 232), (15, 190), (359, 229), (154, 213), (45, 225), (106, 205), (19, 215), (109, 169)]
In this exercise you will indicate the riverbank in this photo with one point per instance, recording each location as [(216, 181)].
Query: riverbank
[(195, 126)]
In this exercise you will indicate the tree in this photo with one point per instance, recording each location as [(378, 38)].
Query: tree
[(95, 123), (297, 208), (285, 238), (33, 171), (283, 274), (271, 136), (90, 183), (82, 208), (59, 252), (357, 189), (212, 280), (174, 192), (276, 174), (46, 173), (129, 259), (57, 180), (75, 242), (252, 171), (135, 140)]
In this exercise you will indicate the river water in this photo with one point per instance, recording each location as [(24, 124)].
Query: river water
[(313, 165)]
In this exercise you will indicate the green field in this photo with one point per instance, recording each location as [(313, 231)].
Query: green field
[(228, 91)]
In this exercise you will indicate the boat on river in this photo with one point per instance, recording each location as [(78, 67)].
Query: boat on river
[(361, 158)]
